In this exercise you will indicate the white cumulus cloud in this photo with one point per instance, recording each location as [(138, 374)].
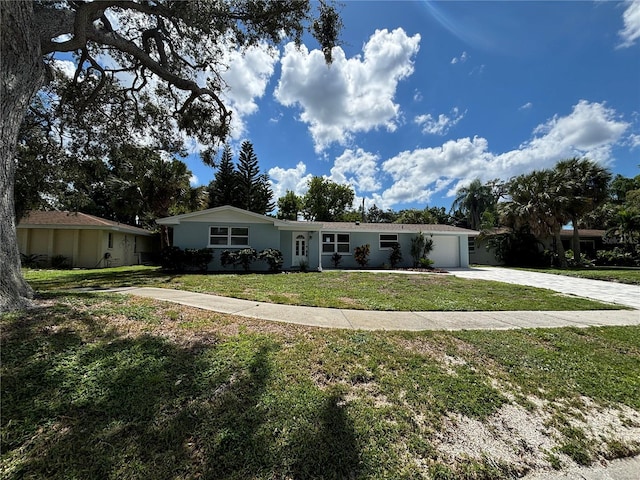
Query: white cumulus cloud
[(294, 179), (631, 18), (442, 124), (247, 76), (351, 95), (357, 168), (590, 130)]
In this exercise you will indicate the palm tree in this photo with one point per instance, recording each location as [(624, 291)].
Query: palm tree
[(537, 202), (584, 185), (473, 201)]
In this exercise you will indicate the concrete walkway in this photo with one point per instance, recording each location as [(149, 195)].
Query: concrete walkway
[(376, 320)]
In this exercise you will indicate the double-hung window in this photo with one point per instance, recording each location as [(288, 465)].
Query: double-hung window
[(388, 240), (227, 236), (335, 242)]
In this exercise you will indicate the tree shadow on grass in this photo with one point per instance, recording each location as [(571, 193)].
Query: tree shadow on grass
[(83, 400), (101, 278)]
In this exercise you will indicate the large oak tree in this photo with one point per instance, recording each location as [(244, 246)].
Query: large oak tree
[(171, 50)]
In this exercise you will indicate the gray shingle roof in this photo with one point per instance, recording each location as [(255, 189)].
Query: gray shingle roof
[(393, 227)]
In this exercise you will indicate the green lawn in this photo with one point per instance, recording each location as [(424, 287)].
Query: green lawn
[(354, 290), (111, 387), (620, 275)]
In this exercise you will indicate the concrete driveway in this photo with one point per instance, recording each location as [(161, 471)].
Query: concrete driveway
[(621, 294)]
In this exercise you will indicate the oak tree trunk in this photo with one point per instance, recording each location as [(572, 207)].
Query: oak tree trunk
[(22, 75)]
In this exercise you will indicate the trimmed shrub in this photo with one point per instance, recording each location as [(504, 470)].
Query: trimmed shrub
[(244, 257), (395, 257), (197, 259), (421, 247), (177, 260), (361, 254), (171, 258), (273, 257), (336, 258)]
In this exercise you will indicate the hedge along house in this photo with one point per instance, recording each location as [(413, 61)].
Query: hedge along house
[(312, 244), (81, 240)]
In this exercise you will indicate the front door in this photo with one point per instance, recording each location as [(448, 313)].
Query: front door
[(300, 249)]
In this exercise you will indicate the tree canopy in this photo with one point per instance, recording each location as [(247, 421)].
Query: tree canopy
[(327, 201), (167, 56)]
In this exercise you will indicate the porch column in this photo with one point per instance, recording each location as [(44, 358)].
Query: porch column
[(319, 250)]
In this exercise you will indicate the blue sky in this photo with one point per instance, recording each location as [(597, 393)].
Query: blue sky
[(425, 96)]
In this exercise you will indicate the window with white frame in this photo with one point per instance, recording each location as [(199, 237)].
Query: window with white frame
[(335, 242), (226, 236), (388, 240)]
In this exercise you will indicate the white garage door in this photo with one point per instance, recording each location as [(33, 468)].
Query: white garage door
[(446, 251)]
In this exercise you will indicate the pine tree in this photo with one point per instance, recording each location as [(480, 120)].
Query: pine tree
[(248, 176), (223, 189), (254, 191), (263, 202)]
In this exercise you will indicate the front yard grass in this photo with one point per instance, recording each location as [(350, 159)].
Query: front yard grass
[(630, 276), (106, 386), (344, 289)]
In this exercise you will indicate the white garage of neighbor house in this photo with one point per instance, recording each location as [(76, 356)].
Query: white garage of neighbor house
[(312, 243)]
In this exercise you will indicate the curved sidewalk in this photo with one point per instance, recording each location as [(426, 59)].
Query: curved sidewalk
[(376, 320)]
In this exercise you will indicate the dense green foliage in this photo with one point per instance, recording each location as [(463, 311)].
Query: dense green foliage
[(327, 201), (289, 206)]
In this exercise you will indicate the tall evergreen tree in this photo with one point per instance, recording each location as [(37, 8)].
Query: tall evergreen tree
[(224, 186), (248, 176), (254, 191), (263, 202)]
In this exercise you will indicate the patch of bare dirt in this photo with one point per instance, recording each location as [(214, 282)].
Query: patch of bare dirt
[(524, 439)]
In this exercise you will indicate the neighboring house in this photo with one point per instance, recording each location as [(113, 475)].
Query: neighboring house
[(312, 243), (83, 240), (590, 242)]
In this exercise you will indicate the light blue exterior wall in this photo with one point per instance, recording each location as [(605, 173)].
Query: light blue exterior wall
[(196, 235), (378, 258)]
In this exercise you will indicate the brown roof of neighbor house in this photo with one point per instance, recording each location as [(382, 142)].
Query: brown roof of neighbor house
[(583, 232), (393, 227), (58, 219)]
